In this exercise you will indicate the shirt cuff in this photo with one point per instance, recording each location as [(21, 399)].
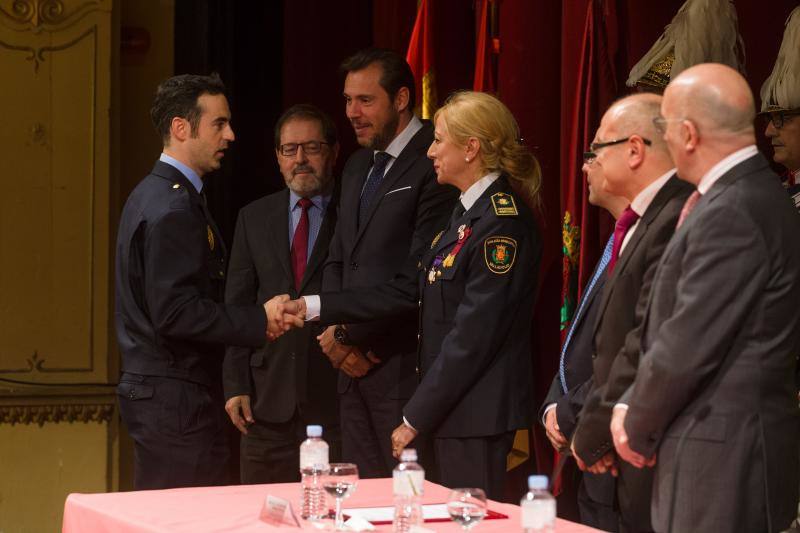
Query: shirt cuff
[(406, 422), (547, 410), (622, 406), (313, 307)]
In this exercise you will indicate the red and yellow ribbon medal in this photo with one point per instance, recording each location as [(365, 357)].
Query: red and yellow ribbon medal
[(463, 234)]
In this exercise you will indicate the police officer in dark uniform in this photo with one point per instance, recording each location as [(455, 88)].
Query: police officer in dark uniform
[(475, 288), (170, 273)]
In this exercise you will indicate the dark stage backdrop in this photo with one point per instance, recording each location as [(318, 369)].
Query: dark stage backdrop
[(559, 64)]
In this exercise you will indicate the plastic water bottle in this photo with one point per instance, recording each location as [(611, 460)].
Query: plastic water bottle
[(313, 465), (538, 507), (408, 479)]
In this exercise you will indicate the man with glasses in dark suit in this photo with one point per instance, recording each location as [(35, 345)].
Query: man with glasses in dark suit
[(280, 246)]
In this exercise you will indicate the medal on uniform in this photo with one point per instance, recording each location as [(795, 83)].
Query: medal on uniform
[(434, 272), (210, 238), (463, 234)]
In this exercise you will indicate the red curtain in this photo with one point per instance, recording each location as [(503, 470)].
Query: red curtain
[(559, 65)]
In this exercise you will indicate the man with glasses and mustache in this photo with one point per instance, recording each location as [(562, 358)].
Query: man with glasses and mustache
[(280, 247), (632, 158), (780, 106), (391, 206)]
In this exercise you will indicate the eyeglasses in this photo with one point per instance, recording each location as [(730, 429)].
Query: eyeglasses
[(660, 123), (780, 118), (310, 147), (591, 155)]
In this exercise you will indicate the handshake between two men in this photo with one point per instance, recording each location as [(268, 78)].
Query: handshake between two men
[(283, 315)]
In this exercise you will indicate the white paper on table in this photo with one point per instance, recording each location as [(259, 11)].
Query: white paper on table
[(430, 511)]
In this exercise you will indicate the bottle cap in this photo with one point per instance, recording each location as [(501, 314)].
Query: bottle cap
[(408, 454), (537, 482), (314, 431)]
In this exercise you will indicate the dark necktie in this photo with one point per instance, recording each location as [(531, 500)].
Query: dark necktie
[(687, 207), (379, 163), (626, 220), (300, 244), (458, 211)]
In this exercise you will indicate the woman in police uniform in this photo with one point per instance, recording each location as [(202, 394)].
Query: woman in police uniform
[(476, 289)]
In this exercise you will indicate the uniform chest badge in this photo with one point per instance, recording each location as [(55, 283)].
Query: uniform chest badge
[(499, 253), (210, 238), (436, 239), (504, 205)]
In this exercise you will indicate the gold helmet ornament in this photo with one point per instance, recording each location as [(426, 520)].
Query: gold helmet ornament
[(703, 31)]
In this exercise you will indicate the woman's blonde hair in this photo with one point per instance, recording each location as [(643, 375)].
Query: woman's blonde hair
[(482, 116)]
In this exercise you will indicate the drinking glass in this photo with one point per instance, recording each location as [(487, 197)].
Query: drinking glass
[(340, 483), (466, 507)]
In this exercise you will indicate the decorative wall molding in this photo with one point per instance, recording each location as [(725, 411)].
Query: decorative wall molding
[(23, 403), (44, 15), (37, 54), (40, 414)]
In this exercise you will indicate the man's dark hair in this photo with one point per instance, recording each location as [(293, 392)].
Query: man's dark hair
[(177, 97), (307, 112), (396, 72)]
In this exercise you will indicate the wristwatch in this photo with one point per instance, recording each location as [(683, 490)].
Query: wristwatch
[(340, 335)]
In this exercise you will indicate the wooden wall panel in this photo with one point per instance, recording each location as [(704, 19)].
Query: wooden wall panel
[(55, 256)]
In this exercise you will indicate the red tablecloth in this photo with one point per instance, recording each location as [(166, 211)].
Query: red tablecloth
[(237, 508)]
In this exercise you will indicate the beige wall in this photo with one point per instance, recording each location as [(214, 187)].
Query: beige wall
[(76, 139), (139, 76)]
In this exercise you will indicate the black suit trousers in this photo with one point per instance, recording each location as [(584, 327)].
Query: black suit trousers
[(178, 430), (475, 462), (270, 452), (368, 418)]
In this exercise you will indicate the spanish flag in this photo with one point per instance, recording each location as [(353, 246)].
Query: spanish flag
[(420, 58)]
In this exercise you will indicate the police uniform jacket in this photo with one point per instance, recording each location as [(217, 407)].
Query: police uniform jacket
[(170, 266), (475, 288)]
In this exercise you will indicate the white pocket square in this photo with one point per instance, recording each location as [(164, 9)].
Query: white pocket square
[(398, 190)]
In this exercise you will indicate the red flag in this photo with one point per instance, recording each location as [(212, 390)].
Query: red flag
[(420, 58), (595, 87), (486, 46)]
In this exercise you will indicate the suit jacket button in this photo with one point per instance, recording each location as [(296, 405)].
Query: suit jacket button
[(353, 266), (419, 303), (132, 394), (594, 355)]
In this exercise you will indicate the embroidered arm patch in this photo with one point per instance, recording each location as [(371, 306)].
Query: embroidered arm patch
[(499, 253)]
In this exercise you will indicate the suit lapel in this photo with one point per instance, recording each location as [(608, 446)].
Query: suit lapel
[(320, 249), (475, 212), (655, 207), (279, 236), (404, 161), (353, 182), (171, 173), (587, 300)]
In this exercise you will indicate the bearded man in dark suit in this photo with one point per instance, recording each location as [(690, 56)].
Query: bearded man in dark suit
[(280, 246)]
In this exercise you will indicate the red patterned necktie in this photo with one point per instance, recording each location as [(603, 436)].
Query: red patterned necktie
[(300, 244), (624, 223), (687, 207)]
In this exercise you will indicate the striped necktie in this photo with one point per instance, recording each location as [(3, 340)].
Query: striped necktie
[(598, 271)]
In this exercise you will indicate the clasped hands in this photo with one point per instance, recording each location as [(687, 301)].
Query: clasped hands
[(622, 449)]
